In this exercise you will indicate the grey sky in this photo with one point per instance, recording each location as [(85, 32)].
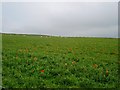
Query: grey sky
[(67, 19), (0, 17)]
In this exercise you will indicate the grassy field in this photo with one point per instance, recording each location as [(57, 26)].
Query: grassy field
[(0, 61), (59, 62)]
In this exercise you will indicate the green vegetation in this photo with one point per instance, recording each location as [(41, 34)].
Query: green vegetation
[(0, 61), (59, 62)]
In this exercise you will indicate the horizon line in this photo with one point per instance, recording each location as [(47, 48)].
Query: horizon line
[(36, 34)]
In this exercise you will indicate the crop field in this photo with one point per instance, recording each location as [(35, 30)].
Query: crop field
[(30, 61)]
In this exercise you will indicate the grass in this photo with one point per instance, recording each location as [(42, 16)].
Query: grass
[(0, 61), (59, 62)]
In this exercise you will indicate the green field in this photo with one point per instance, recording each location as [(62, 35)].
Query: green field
[(30, 61), (0, 61)]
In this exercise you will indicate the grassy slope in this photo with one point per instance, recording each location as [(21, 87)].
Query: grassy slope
[(67, 62)]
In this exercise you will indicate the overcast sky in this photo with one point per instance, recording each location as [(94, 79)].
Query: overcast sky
[(98, 19)]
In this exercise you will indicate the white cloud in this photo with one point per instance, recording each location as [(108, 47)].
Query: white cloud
[(59, 0), (0, 17), (85, 19)]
